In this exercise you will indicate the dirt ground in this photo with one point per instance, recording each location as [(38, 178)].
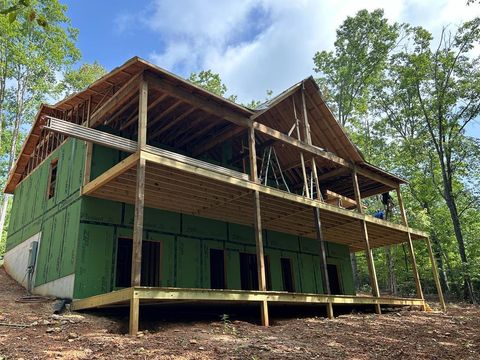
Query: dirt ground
[(400, 334)]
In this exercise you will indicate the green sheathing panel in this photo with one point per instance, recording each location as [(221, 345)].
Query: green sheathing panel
[(57, 218), (185, 250), (94, 273)]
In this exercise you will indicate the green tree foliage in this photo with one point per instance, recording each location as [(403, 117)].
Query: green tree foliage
[(31, 57), (437, 91), (78, 79), (421, 96), (212, 82), (361, 51)]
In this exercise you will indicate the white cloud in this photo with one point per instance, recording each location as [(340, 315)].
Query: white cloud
[(207, 35)]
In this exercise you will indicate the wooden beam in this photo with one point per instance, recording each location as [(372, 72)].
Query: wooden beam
[(253, 155), (411, 251), (134, 117), (334, 173), (323, 253), (213, 175), (115, 100), (258, 226), (330, 311), (140, 186), (436, 278), (216, 139), (229, 295), (142, 115), (88, 150), (368, 251), (134, 314), (164, 112), (172, 122), (96, 301), (300, 144), (206, 105), (111, 174)]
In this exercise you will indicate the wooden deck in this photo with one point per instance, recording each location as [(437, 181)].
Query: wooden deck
[(136, 296)]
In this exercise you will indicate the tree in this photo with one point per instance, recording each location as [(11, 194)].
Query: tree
[(361, 50), (78, 79), (439, 91), (347, 75), (31, 56), (212, 82)]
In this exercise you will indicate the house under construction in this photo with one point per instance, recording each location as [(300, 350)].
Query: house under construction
[(145, 188)]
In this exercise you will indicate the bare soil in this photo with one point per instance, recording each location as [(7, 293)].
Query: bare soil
[(399, 334)]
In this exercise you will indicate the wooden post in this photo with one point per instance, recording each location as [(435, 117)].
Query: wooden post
[(416, 276), (140, 187), (258, 227), (316, 211), (134, 314), (435, 275), (323, 256), (368, 251), (88, 149), (330, 310)]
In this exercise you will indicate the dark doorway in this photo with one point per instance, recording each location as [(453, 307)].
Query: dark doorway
[(217, 269), (334, 279), (287, 275), (249, 272), (150, 272)]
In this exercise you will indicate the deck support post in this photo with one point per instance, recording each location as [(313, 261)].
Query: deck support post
[(258, 226), (416, 276), (140, 186), (88, 149), (330, 313), (368, 251), (316, 211), (436, 278), (323, 256), (134, 314)]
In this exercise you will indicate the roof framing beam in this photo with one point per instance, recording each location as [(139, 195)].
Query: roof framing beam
[(206, 105), (115, 100)]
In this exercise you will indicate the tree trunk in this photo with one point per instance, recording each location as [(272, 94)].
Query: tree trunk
[(3, 213), (452, 207), (20, 98), (438, 251)]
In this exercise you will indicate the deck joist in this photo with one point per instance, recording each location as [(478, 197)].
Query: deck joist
[(152, 295)]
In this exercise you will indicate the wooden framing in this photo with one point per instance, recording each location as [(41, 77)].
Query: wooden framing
[(435, 275), (368, 251), (111, 173), (88, 149), (199, 102), (262, 283), (139, 191), (411, 250), (117, 99), (135, 296), (209, 190)]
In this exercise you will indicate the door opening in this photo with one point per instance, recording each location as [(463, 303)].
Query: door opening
[(287, 275), (217, 269), (150, 271), (334, 279), (249, 272)]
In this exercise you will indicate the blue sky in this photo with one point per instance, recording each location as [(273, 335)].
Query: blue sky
[(253, 45)]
